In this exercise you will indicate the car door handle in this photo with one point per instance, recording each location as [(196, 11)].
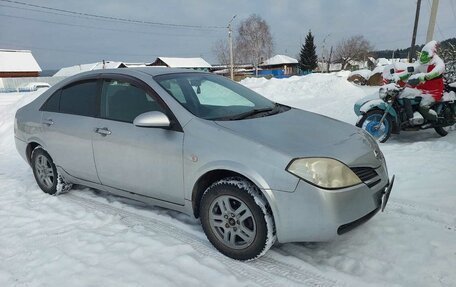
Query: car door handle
[(103, 131), (48, 122)]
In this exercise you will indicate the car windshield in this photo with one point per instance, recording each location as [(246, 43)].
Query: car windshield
[(214, 97)]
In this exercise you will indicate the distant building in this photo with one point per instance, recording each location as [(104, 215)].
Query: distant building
[(238, 69), (279, 66), (73, 70), (184, 63), (333, 67), (18, 63)]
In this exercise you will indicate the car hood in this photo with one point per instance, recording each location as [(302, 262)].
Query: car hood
[(300, 133)]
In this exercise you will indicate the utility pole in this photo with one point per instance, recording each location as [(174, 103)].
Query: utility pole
[(431, 26), (329, 59), (230, 40), (323, 51), (415, 28)]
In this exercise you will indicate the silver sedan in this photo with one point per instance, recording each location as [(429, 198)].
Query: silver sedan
[(254, 171)]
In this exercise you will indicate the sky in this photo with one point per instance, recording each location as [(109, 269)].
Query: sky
[(58, 39)]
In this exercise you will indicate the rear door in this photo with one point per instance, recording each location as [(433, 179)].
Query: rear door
[(68, 121), (143, 160)]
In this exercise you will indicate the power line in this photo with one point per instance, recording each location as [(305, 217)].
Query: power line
[(48, 12), (452, 8), (101, 28), (117, 19), (81, 17)]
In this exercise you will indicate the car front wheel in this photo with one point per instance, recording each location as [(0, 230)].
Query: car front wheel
[(236, 220)]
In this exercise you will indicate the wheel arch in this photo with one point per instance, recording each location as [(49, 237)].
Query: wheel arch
[(209, 177), (29, 149)]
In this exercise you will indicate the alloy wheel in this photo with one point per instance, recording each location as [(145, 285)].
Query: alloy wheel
[(232, 222), (44, 170)]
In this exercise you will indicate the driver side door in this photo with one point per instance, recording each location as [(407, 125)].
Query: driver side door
[(142, 160)]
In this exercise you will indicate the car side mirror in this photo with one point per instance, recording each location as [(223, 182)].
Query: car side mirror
[(410, 69), (152, 120)]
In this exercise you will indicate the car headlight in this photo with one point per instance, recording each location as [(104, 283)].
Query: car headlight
[(323, 172)]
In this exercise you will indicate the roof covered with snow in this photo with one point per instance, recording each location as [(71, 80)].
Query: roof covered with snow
[(384, 61), (18, 61), (279, 60), (363, 73), (184, 62)]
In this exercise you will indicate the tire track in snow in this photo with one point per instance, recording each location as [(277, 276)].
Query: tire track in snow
[(422, 207), (418, 213), (262, 271), (412, 212)]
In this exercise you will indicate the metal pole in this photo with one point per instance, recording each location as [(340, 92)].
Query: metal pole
[(431, 26), (323, 48), (329, 59), (415, 28), (230, 39)]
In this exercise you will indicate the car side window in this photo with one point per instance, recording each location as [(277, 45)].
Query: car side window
[(79, 99), (123, 101), (52, 103)]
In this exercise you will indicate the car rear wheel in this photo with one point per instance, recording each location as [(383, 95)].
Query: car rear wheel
[(236, 220), (45, 172), (442, 131)]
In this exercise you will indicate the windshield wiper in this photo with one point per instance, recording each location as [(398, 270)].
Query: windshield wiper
[(255, 112)]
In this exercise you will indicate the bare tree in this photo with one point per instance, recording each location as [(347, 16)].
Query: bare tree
[(354, 48), (254, 40), (447, 52), (222, 52)]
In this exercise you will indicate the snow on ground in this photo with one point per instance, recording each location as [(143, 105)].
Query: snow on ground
[(90, 238)]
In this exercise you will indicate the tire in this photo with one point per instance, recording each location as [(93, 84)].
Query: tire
[(441, 131), (45, 172), (236, 220), (369, 122)]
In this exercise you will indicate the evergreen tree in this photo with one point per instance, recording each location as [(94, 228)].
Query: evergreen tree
[(308, 57)]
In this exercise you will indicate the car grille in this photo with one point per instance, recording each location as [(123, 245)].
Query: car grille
[(349, 226), (364, 173), (367, 175)]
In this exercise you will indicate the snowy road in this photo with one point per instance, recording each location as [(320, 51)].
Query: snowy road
[(90, 238)]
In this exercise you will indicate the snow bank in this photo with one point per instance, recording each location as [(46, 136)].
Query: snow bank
[(327, 94)]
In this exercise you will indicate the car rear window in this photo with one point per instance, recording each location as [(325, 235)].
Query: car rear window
[(53, 102), (79, 99)]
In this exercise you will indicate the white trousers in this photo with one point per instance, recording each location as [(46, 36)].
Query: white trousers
[(426, 101)]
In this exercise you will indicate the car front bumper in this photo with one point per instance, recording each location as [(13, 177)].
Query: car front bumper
[(311, 214)]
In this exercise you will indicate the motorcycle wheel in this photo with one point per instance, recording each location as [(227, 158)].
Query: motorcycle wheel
[(441, 131), (370, 123)]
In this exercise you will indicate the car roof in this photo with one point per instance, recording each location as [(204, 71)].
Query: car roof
[(134, 71), (152, 71)]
